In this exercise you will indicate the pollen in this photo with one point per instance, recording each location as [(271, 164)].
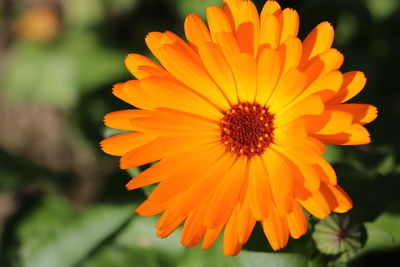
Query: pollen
[(247, 129)]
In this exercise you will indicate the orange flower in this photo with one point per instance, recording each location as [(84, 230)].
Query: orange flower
[(237, 119)]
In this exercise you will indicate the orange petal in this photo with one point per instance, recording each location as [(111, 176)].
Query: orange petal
[(323, 63), (167, 230), (337, 199), (193, 229), (276, 229), (231, 9), (306, 148), (269, 32), (231, 243), (268, 74), (156, 92), (159, 148), (259, 191), (309, 177), (229, 46), (297, 221), (293, 136), (182, 178), (219, 69), (226, 195), (311, 105), (290, 133), (287, 89), (210, 237), (290, 51), (118, 91), (134, 61), (169, 216), (289, 19), (172, 168), (170, 38), (319, 40), (326, 86), (270, 7), (243, 66), (147, 71), (131, 90), (353, 83), (325, 171), (280, 181), (270, 29), (316, 145), (246, 221), (196, 31), (120, 119), (355, 135), (332, 121), (217, 21), (191, 73), (247, 27), (175, 124), (246, 77), (362, 113), (317, 205), (299, 189), (204, 186), (343, 200), (150, 208), (156, 40), (121, 144)]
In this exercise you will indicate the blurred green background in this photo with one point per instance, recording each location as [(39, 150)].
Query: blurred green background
[(63, 202)]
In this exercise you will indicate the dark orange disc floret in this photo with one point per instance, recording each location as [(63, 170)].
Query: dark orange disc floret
[(247, 129)]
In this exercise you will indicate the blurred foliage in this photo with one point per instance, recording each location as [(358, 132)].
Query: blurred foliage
[(53, 234), (63, 203)]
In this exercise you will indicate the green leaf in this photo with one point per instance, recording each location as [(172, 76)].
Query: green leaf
[(390, 222), (95, 64), (141, 234), (134, 171), (378, 238), (107, 132), (138, 245), (345, 29), (39, 73), (55, 235), (148, 189), (274, 259), (382, 234), (333, 154), (198, 7), (195, 257), (56, 74), (81, 14), (318, 260), (383, 8), (387, 165), (121, 5)]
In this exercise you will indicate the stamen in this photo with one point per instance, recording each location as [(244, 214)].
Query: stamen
[(247, 129)]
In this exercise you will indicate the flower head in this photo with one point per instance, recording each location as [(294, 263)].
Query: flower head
[(237, 119)]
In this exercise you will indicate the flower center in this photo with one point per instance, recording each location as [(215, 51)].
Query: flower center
[(247, 129)]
